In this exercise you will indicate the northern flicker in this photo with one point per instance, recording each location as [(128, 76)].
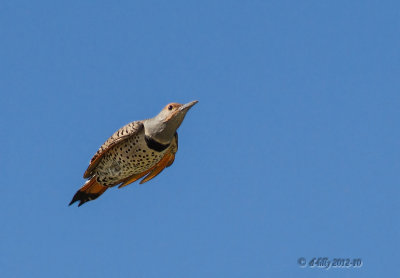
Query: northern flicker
[(138, 149)]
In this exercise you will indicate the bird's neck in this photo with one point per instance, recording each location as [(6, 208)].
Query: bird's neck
[(159, 131)]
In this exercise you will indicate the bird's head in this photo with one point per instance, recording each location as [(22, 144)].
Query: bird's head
[(163, 126), (174, 113)]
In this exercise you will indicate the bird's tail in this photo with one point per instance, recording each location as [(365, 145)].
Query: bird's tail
[(89, 191)]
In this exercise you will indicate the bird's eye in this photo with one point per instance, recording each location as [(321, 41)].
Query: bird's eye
[(170, 107)]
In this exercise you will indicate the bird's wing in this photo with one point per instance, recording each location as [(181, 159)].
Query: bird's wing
[(120, 135), (166, 161)]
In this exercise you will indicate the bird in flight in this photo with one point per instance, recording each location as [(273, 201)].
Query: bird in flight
[(138, 149)]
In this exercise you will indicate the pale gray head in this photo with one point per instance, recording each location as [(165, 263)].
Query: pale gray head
[(163, 126)]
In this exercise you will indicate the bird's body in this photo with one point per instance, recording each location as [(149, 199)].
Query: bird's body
[(125, 157), (140, 148)]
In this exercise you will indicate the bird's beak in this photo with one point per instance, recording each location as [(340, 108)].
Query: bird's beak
[(187, 106)]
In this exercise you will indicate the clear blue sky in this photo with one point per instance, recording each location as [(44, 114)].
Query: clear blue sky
[(292, 151)]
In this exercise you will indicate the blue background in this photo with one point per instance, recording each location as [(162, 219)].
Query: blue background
[(292, 151)]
